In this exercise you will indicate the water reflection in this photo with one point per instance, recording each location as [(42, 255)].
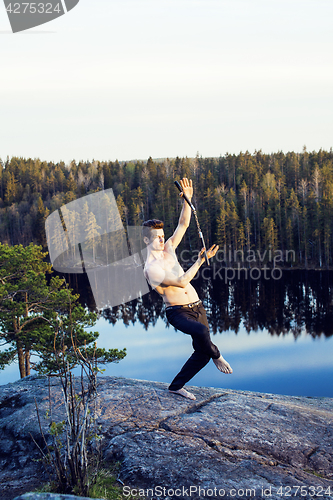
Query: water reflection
[(282, 343), (301, 301)]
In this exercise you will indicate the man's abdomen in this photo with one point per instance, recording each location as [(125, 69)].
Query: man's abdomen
[(175, 296)]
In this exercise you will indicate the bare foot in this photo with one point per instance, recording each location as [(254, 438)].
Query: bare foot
[(183, 392), (222, 365)]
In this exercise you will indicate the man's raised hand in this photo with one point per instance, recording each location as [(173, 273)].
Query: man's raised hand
[(187, 187), (210, 253)]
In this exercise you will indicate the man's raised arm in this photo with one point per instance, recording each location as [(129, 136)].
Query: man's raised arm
[(185, 215)]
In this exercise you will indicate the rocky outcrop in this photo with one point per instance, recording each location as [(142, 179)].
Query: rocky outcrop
[(227, 443), (49, 496)]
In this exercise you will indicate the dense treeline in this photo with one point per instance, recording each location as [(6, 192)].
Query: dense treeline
[(262, 204)]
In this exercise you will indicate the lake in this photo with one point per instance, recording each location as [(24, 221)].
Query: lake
[(276, 334)]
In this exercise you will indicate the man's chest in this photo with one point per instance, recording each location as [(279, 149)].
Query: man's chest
[(170, 263)]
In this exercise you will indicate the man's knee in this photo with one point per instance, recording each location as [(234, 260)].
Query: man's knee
[(202, 332), (200, 357)]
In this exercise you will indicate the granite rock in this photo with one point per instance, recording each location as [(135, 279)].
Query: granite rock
[(227, 443), (49, 496)]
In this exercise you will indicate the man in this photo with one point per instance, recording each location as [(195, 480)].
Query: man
[(184, 309)]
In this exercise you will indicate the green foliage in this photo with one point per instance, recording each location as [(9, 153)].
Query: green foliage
[(42, 316), (74, 458), (105, 485), (7, 357)]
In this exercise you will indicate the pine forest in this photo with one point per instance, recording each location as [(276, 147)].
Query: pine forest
[(250, 204)]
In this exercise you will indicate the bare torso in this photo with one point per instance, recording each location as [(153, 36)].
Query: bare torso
[(172, 295)]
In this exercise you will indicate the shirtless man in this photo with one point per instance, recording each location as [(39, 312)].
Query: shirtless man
[(184, 309)]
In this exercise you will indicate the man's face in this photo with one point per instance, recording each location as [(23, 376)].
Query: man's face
[(157, 239)]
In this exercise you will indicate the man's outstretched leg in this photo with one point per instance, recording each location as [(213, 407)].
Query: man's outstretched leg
[(183, 392), (192, 366), (195, 323), (222, 365)]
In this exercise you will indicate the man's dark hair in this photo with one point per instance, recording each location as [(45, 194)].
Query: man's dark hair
[(148, 225)]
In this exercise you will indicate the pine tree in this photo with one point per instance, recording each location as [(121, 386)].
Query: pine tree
[(305, 235), (221, 228), (290, 235), (123, 211), (93, 237), (232, 224), (11, 189), (39, 228), (269, 235), (33, 309), (294, 207), (73, 224), (241, 237), (248, 235)]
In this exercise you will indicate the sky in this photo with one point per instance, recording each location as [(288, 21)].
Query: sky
[(124, 79)]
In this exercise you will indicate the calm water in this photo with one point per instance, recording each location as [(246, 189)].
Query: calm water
[(277, 335)]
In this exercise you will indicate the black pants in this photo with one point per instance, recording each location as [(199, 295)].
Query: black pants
[(192, 321)]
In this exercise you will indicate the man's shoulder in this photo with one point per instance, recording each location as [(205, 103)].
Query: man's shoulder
[(154, 272), (154, 264), (149, 266), (169, 246)]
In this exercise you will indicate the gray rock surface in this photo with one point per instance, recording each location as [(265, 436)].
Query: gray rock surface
[(231, 444), (49, 496)]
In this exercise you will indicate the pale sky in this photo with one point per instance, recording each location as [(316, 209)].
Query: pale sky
[(124, 79)]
